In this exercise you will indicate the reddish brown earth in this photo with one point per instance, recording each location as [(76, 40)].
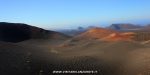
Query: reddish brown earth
[(119, 37), (105, 35), (96, 33)]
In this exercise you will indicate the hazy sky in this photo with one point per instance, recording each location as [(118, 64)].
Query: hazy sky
[(58, 14)]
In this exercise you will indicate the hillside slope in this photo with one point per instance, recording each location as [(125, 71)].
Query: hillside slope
[(16, 32)]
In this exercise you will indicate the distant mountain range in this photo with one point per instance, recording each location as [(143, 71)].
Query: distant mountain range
[(128, 27), (118, 27), (124, 26)]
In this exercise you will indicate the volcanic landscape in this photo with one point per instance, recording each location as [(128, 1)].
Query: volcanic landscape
[(29, 50)]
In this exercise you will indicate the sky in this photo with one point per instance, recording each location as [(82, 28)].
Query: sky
[(65, 14)]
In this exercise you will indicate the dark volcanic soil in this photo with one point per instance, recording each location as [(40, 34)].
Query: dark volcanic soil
[(42, 56)]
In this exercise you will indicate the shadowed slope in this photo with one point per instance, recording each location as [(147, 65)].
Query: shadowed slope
[(16, 32)]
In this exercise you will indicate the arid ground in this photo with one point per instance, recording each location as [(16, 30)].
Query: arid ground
[(106, 51)]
